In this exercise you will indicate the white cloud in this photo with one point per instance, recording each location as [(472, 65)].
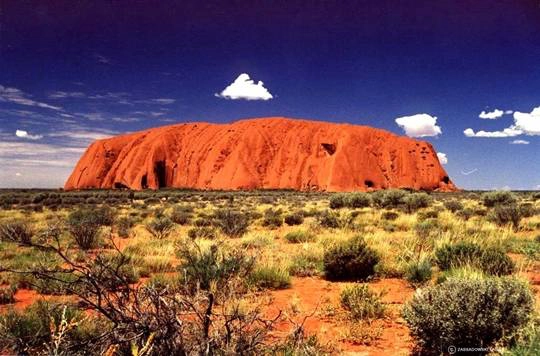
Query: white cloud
[(442, 157), (165, 101), (419, 125), (508, 132), (508, 112), (529, 123), (65, 94), (101, 59), (18, 174), (519, 142), (244, 87), (524, 124), (25, 134), (495, 114), (16, 96)]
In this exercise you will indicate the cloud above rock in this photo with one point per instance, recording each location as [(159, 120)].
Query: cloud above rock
[(244, 88), (26, 135), (442, 157), (419, 125)]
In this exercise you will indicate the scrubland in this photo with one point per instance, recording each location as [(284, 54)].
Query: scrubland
[(269, 272)]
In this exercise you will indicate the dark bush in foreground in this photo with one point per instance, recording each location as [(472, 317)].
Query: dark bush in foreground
[(124, 225), (202, 232), (338, 201), (468, 313), (350, 260), (359, 200), (180, 216), (16, 230), (489, 260)]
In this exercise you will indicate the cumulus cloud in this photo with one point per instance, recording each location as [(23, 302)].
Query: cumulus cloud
[(442, 157), (508, 132), (16, 96), (524, 124), (529, 123), (245, 88), (491, 115), (519, 142), (25, 134), (419, 125)]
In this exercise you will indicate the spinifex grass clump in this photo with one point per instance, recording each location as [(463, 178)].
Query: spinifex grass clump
[(362, 303), (350, 260), (468, 313), (492, 199), (295, 218)]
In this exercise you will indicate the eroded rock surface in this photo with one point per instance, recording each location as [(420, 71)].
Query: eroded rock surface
[(265, 153)]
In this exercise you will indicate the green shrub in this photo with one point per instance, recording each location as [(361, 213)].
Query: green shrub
[(359, 200), (390, 215), (300, 236), (84, 226), (468, 313), (214, 265), (124, 226), (492, 199), (415, 201), (16, 230), (335, 220), (232, 223), (294, 219), (338, 201), (427, 214), (180, 216), (160, 227), (272, 218), (453, 205), (489, 260), (362, 303), (270, 277), (202, 232), (418, 272), (465, 214), (22, 331), (424, 229), (390, 199), (350, 260), (507, 214)]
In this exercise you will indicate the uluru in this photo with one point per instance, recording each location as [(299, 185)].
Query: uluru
[(262, 153)]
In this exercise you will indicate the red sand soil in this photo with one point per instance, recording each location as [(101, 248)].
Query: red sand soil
[(314, 295), (265, 153)]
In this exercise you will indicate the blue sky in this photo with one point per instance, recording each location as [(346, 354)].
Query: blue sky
[(71, 72)]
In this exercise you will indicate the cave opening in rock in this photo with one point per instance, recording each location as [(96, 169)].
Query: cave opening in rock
[(118, 185), (144, 182), (329, 148), (161, 175), (446, 179), (369, 184)]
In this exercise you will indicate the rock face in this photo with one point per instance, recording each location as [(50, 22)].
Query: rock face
[(266, 153)]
